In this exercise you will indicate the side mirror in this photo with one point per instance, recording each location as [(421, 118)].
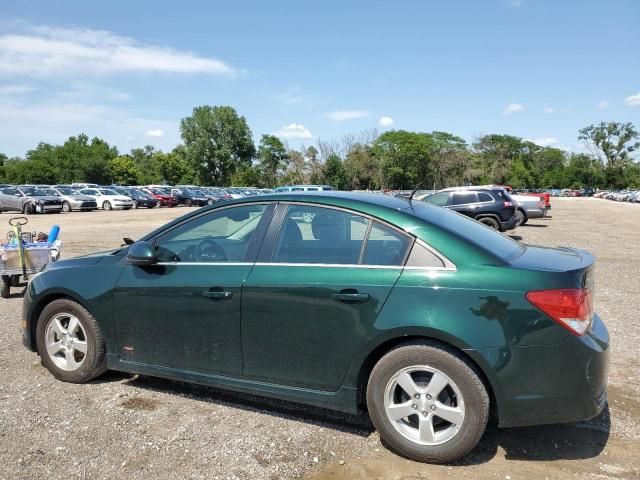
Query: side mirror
[(142, 254)]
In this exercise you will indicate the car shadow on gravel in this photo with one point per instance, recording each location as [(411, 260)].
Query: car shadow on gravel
[(354, 424), (574, 441)]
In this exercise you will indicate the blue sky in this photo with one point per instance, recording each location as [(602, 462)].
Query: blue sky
[(129, 71)]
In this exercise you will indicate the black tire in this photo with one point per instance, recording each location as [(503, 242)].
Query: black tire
[(14, 280), (521, 216), (468, 382), (135, 204), (5, 287), (106, 205), (94, 363), (490, 222), (66, 207), (28, 209), (188, 202)]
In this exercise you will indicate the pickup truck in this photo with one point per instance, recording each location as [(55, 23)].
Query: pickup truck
[(29, 200)]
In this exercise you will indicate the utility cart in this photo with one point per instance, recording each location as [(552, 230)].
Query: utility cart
[(19, 258)]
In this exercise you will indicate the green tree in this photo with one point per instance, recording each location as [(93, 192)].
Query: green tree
[(124, 171), (611, 142), (362, 168), (405, 157), (246, 176), (172, 168), (273, 158), (334, 173), (218, 142)]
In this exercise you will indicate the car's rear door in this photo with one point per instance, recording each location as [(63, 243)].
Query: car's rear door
[(321, 279), (184, 312), (464, 202)]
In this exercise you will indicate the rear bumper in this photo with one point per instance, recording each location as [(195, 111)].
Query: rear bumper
[(509, 224), (535, 213), (551, 384)]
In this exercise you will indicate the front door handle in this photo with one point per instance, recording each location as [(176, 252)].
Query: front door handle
[(218, 293), (350, 296)]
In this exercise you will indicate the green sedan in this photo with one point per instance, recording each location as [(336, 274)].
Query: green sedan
[(427, 320)]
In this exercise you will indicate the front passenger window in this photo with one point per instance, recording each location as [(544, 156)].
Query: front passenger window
[(219, 236)]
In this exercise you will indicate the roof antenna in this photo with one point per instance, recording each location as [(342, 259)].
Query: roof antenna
[(415, 190)]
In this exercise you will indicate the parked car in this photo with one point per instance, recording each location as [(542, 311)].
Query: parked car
[(72, 200), (492, 206), (164, 197), (108, 199), (29, 200), (528, 207), (426, 319), (304, 188), (138, 197), (189, 198)]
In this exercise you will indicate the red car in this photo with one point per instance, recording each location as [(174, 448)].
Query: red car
[(164, 198)]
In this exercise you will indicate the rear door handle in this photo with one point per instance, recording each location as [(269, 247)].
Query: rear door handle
[(350, 297), (218, 293)]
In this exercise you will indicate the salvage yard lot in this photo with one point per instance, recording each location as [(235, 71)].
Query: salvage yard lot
[(123, 426)]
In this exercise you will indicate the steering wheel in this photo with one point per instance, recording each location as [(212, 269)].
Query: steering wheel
[(209, 251)]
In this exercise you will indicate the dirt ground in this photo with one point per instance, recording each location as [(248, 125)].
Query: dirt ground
[(132, 427)]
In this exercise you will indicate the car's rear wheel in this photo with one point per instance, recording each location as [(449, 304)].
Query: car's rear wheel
[(490, 222), (70, 342), (427, 403), (522, 218), (66, 207), (107, 205), (188, 202)]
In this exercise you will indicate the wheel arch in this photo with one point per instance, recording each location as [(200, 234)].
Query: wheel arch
[(474, 361), (39, 306)]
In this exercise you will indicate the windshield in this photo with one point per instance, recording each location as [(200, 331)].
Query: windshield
[(37, 193), (66, 191), (501, 246), (107, 192)]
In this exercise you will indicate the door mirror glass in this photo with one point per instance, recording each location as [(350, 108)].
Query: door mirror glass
[(142, 254)]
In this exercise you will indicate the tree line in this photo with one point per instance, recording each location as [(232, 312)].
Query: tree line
[(218, 149)]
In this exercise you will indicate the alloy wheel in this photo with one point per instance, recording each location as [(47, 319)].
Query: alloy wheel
[(424, 405), (66, 341)]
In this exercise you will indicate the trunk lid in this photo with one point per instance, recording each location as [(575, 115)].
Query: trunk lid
[(570, 260)]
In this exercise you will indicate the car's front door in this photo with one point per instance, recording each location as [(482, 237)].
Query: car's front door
[(465, 203), (184, 312), (320, 281)]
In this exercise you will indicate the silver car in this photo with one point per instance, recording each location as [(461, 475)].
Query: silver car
[(529, 206), (74, 201)]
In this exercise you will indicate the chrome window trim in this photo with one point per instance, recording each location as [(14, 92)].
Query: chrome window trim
[(329, 265), (235, 264)]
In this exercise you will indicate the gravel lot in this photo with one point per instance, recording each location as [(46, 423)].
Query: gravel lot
[(138, 427)]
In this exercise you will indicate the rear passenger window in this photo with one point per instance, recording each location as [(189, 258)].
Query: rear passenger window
[(385, 246), (320, 235), (462, 198), (423, 257), (485, 197)]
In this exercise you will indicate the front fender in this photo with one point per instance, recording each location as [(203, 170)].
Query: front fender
[(91, 286)]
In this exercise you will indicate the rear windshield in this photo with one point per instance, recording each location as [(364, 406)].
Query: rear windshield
[(496, 243)]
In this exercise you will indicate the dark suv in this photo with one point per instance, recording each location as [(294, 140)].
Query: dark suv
[(492, 206)]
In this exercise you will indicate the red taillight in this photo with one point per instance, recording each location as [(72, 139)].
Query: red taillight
[(572, 308), (507, 204)]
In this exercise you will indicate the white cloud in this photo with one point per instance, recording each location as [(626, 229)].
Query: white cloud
[(633, 100), (294, 131), (154, 133), (385, 121), (549, 109), (514, 3), (602, 104), (513, 107), (342, 115), (543, 141), (46, 51), (6, 90), (56, 119)]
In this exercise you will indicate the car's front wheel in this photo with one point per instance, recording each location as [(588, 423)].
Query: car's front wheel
[(70, 342), (427, 403), (107, 205)]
